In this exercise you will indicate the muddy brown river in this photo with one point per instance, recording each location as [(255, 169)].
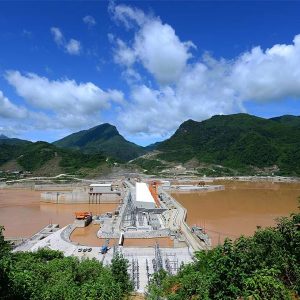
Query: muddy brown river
[(240, 208), (22, 214), (237, 210)]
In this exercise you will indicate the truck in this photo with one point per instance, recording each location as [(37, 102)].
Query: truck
[(104, 249)]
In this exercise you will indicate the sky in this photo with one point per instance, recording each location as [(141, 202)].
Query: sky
[(144, 66)]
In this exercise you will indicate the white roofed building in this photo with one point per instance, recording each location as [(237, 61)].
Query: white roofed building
[(100, 187), (143, 197)]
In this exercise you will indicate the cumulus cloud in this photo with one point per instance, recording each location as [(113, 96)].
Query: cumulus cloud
[(155, 45), (72, 104), (73, 47), (89, 20), (194, 89), (268, 75), (8, 110), (165, 86)]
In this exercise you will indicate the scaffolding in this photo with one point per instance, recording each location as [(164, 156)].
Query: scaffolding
[(129, 217), (135, 274), (171, 263), (157, 261)]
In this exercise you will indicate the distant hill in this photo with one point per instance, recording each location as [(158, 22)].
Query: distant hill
[(288, 120), (12, 141), (42, 158), (237, 141), (104, 138)]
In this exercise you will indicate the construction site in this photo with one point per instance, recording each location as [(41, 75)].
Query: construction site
[(148, 226)]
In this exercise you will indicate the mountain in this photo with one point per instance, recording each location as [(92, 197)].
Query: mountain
[(288, 120), (237, 141), (103, 138), (46, 159), (153, 146), (12, 141)]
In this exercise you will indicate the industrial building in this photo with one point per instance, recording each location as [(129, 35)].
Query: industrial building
[(100, 187), (143, 198)]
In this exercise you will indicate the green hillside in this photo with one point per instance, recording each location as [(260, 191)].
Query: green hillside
[(12, 141), (237, 141), (104, 138), (46, 159), (289, 120)]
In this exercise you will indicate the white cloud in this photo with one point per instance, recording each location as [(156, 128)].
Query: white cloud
[(57, 35), (126, 14), (72, 104), (8, 110), (73, 47), (89, 20), (268, 75), (197, 89), (155, 45)]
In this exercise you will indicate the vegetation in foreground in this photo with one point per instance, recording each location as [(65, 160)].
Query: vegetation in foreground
[(265, 266), (47, 274)]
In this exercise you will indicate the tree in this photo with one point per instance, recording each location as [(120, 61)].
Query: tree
[(119, 267)]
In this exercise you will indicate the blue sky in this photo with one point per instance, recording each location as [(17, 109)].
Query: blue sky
[(144, 66)]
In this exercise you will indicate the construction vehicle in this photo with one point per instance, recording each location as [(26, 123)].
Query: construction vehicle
[(104, 249), (81, 215)]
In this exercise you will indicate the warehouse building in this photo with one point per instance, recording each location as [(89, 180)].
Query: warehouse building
[(143, 197), (100, 187)]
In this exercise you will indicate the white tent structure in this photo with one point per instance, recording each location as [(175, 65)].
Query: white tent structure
[(143, 197)]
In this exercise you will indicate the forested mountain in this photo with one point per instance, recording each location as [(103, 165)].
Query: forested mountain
[(241, 142), (12, 141), (42, 158), (238, 141), (104, 138)]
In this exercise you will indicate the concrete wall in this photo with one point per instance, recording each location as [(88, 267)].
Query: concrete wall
[(77, 197)]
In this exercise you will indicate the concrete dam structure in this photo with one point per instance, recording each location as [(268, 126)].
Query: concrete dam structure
[(94, 193)]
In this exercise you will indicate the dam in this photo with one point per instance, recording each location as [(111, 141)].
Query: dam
[(158, 231)]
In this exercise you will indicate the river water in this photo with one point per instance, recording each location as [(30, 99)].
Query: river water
[(22, 214), (237, 210), (240, 208)]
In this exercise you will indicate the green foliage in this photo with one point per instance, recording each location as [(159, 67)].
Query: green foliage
[(238, 141), (151, 165), (9, 152), (265, 266), (4, 246), (104, 138), (33, 156), (48, 275), (119, 268)]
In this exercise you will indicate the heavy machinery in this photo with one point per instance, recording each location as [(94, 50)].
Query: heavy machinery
[(104, 249), (81, 215)]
